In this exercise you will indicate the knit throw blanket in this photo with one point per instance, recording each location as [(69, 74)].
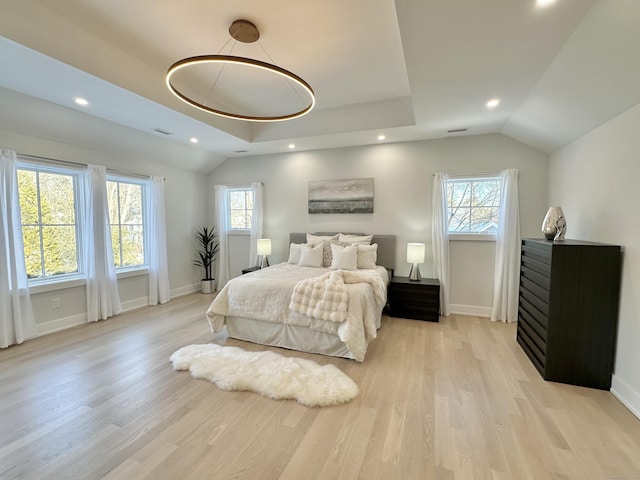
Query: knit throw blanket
[(326, 297)]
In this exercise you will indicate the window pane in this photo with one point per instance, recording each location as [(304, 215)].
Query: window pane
[(249, 200), (32, 257), (112, 202), (132, 245), (57, 199), (130, 203), (27, 192), (486, 193), (115, 245), (459, 221), (59, 244), (237, 200), (460, 194), (237, 218)]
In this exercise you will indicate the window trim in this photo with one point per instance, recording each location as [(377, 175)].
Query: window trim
[(50, 282), (473, 235), (230, 230), (144, 184)]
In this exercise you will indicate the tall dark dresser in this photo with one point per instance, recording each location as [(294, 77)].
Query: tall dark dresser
[(568, 310)]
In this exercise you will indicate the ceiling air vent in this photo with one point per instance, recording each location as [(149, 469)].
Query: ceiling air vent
[(163, 132), (457, 130)]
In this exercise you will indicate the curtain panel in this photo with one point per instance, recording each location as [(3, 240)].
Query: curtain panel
[(440, 239), (221, 209), (256, 222), (507, 263), (103, 299), (156, 229), (17, 322)]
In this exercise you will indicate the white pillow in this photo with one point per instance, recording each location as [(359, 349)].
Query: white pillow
[(311, 256), (351, 239), (344, 258), (295, 249), (367, 256), (311, 238)]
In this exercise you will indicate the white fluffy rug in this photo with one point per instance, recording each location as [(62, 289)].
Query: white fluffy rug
[(267, 373)]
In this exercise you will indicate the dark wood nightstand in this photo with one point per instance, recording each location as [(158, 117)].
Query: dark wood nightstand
[(249, 269), (416, 299)]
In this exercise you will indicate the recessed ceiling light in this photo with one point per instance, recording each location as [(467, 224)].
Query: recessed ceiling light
[(381, 137), (544, 3), (493, 103), (193, 140), (292, 146), (81, 101)]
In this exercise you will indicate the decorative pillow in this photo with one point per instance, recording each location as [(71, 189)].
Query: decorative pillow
[(311, 256), (344, 258), (314, 239), (295, 249), (367, 256), (351, 239)]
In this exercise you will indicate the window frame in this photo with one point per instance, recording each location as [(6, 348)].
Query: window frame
[(474, 235), (45, 281), (230, 190), (144, 184)]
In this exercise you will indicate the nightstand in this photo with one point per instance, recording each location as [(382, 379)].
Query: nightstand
[(249, 270), (416, 299)]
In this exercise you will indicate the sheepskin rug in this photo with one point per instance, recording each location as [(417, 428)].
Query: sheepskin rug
[(267, 373)]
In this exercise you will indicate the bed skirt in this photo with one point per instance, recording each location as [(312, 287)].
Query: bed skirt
[(292, 337)]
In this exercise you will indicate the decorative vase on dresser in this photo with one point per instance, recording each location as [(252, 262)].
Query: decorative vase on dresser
[(568, 310)]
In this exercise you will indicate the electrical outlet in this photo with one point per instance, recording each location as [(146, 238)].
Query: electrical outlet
[(55, 302)]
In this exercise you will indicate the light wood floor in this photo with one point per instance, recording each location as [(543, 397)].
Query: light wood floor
[(450, 400)]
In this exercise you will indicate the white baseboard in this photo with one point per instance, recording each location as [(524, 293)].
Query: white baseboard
[(135, 303), (60, 324), (470, 310), (186, 290), (627, 395)]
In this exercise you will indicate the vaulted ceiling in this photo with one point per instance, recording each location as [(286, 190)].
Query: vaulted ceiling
[(409, 69)]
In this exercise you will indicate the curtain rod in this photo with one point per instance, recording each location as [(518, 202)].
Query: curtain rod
[(487, 173), (77, 164)]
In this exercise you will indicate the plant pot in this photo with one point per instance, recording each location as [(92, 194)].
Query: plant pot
[(208, 286)]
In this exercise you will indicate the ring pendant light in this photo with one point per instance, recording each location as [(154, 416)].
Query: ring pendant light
[(246, 32)]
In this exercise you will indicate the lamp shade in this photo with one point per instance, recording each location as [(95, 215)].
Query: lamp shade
[(415, 252), (264, 246)]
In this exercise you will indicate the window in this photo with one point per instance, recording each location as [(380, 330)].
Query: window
[(48, 197), (240, 201), (126, 200), (474, 205)]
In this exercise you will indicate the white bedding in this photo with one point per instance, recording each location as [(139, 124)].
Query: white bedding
[(265, 295)]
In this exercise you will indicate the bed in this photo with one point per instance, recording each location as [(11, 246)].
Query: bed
[(258, 307)]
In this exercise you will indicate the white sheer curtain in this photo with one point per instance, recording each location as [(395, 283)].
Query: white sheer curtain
[(16, 315), (440, 239), (221, 226), (507, 266), (156, 230), (103, 300), (256, 222)]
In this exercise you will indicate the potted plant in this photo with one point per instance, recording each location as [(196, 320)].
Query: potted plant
[(207, 253)]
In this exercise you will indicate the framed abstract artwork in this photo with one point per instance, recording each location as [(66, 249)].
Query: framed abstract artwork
[(352, 195)]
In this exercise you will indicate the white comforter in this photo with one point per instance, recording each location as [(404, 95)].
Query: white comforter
[(266, 294)]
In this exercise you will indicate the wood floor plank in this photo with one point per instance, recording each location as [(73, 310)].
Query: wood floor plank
[(450, 400)]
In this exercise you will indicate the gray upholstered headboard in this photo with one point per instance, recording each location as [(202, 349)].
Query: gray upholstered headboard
[(386, 246)]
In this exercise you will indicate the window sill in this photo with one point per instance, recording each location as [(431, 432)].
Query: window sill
[(471, 237), (53, 285), (62, 284), (131, 272)]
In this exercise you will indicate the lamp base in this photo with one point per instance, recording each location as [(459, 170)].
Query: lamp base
[(264, 263), (414, 274)]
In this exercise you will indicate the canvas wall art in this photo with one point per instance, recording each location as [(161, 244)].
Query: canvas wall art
[(352, 195)]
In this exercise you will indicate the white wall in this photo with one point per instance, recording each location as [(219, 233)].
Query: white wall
[(594, 180), (185, 197), (402, 175)]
